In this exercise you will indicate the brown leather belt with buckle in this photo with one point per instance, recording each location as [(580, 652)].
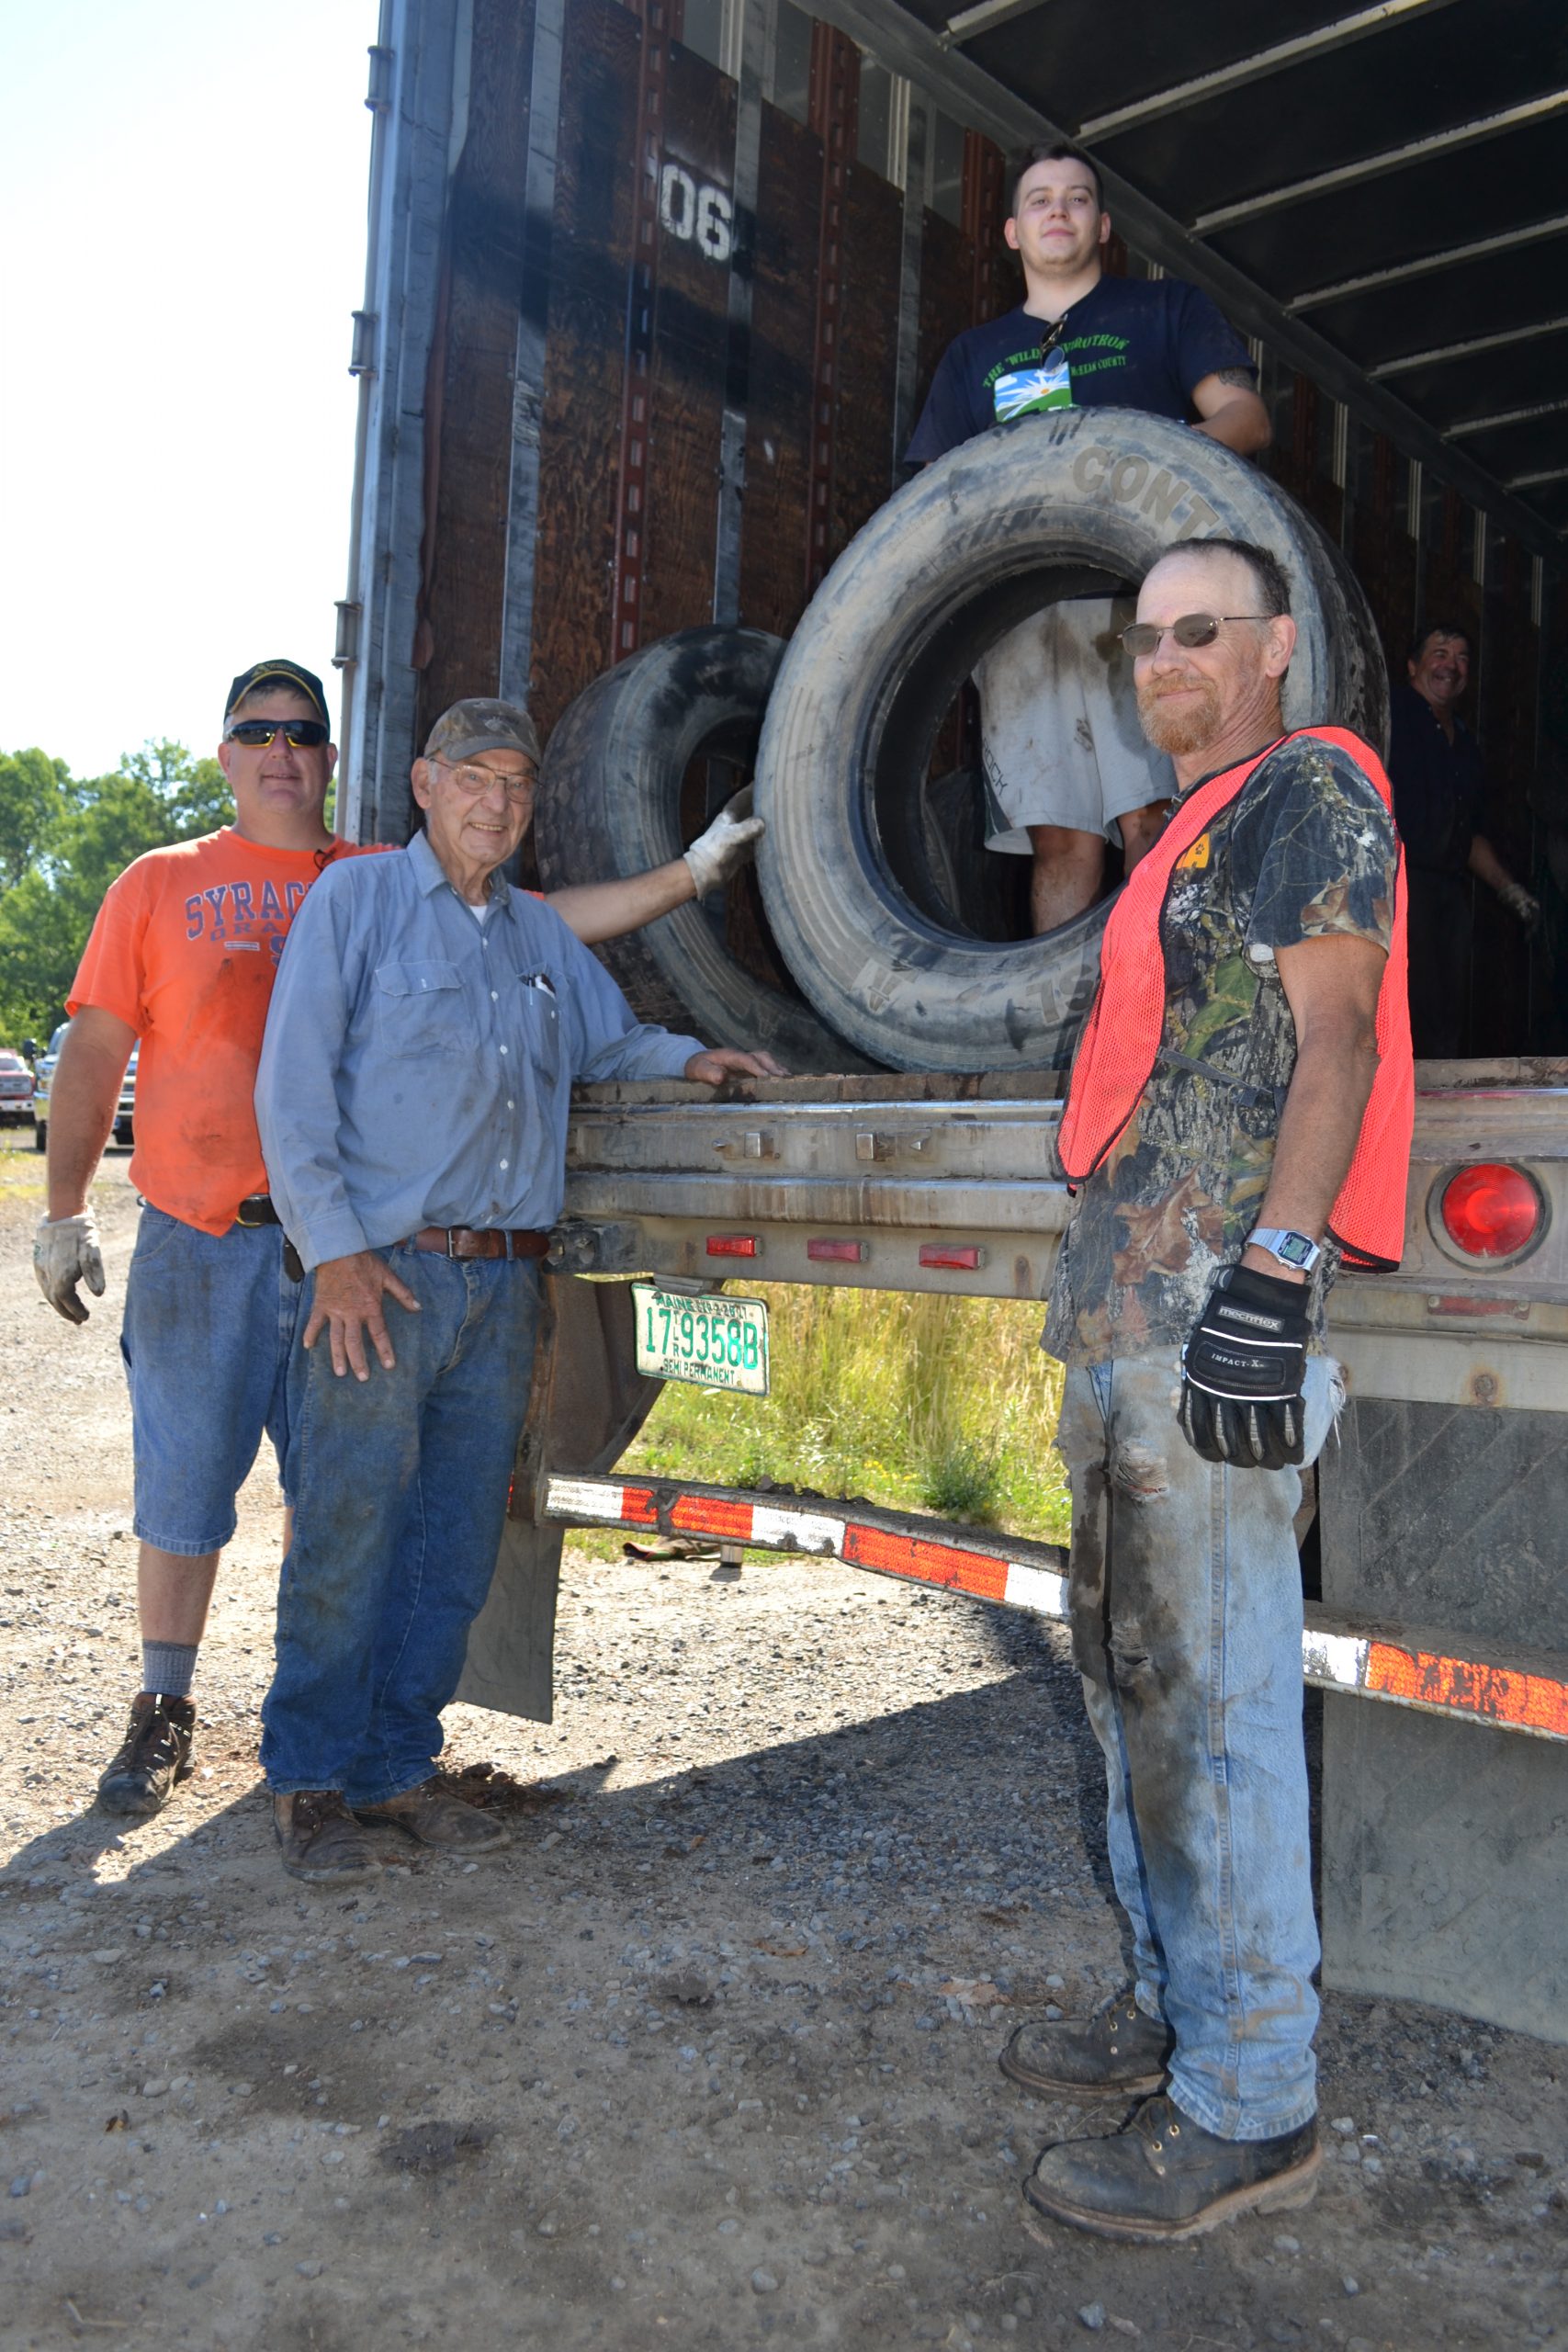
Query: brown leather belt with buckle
[(481, 1241)]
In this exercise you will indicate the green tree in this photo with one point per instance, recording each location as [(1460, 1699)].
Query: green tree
[(32, 801), (195, 792), (157, 795)]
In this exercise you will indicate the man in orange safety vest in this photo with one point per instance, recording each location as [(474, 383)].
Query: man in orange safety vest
[(1239, 1122)]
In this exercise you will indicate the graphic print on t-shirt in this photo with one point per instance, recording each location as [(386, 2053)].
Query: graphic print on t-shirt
[(1026, 391), (1019, 388), (255, 914)]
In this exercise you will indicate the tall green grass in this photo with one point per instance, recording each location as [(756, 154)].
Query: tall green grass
[(923, 1403)]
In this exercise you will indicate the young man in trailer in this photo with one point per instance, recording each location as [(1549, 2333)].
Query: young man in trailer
[(182, 957), (418, 979), (1238, 1122), (1066, 763)]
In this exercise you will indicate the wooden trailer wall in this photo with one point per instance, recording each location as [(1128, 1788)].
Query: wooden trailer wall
[(673, 390)]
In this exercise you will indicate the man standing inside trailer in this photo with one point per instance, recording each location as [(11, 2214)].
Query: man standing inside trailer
[(181, 957), (424, 1033), (1439, 785), (1065, 763), (1238, 1122)]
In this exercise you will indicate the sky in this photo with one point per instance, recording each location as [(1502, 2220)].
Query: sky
[(183, 188)]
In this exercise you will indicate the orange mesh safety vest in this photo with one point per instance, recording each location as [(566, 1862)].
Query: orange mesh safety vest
[(1116, 1056)]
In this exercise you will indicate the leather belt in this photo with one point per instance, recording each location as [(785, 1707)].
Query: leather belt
[(256, 1209), (481, 1241)]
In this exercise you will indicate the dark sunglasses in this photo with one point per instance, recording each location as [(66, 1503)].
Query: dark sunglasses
[(1193, 630), (255, 734)]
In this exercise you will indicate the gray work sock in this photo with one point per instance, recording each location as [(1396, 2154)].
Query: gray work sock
[(168, 1666)]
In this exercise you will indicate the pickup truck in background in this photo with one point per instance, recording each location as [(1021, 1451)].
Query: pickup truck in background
[(16, 1089), (125, 1109)]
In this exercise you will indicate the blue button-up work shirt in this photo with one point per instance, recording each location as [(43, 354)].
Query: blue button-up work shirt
[(417, 1069)]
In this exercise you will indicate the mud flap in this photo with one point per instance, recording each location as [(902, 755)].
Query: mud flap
[(586, 1404), (1445, 1845)]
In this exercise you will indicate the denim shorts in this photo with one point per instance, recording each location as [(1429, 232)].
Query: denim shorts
[(206, 1334)]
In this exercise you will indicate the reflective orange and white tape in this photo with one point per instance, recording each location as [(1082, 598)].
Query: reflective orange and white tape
[(1464, 1690)]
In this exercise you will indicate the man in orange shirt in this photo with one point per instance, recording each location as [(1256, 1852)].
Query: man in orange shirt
[(181, 957)]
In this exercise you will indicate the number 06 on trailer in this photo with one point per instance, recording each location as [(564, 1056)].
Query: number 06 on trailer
[(718, 1342)]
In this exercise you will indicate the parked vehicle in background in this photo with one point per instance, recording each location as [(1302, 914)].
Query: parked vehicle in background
[(16, 1089), (124, 1131), (44, 1071)]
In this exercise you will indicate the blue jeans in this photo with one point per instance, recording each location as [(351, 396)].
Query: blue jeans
[(1186, 1600), (206, 1334), (399, 1485)]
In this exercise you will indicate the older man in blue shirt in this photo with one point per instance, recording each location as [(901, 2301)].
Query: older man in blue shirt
[(426, 1029)]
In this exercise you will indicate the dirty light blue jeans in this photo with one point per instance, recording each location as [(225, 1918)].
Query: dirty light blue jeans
[(205, 1336), (399, 1485), (1186, 1603)]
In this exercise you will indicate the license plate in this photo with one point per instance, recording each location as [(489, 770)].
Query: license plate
[(718, 1342)]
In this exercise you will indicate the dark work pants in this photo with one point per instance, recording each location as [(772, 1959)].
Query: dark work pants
[(1440, 925)]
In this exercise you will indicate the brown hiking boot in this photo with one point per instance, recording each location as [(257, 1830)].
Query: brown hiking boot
[(1116, 2053), (438, 1819), (154, 1754), (1162, 2176), (319, 1838)]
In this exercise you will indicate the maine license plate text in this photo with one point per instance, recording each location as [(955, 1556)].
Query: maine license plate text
[(720, 1342)]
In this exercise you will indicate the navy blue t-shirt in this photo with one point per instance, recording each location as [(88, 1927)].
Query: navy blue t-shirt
[(1437, 786), (1139, 343)]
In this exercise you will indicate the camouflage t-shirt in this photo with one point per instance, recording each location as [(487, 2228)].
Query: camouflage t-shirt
[(1307, 849)]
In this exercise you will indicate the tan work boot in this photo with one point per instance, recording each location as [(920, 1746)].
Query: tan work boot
[(438, 1819), (319, 1838)]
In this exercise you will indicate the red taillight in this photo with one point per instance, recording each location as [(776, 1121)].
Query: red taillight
[(966, 1257), (1491, 1211), (734, 1244), (848, 1253)]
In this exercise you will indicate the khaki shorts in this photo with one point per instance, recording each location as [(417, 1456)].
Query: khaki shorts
[(1061, 741)]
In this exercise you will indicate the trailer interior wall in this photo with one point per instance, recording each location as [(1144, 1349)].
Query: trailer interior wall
[(652, 327)]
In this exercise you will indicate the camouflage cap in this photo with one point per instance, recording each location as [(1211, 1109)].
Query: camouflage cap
[(292, 675), (476, 726)]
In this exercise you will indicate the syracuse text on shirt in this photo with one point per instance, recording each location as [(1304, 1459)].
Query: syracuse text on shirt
[(238, 915)]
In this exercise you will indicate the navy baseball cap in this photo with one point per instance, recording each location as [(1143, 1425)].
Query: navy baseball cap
[(292, 675)]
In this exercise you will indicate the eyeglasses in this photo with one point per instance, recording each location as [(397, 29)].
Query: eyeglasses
[(1191, 630), (471, 782), (256, 734)]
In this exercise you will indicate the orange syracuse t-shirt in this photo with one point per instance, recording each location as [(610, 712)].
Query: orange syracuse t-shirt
[(184, 949)]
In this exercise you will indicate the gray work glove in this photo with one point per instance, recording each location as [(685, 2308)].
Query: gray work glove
[(65, 1251), (728, 842), (1522, 903)]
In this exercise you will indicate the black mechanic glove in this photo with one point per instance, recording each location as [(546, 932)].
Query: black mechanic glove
[(1241, 1370)]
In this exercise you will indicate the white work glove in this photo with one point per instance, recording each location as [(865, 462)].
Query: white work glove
[(1522, 903), (65, 1251), (728, 842)]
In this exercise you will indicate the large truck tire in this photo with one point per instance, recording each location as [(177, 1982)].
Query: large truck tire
[(1075, 504), (610, 803)]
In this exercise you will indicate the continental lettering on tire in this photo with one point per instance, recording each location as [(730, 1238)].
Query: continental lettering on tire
[(1132, 482), (697, 213)]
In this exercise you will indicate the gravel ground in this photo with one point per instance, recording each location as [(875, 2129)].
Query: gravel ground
[(705, 2058)]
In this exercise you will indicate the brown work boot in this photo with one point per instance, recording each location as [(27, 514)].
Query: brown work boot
[(1116, 2053), (154, 1754), (1162, 2176), (438, 1819), (319, 1838)]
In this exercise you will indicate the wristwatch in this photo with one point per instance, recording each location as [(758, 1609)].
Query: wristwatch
[(1290, 1248)]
